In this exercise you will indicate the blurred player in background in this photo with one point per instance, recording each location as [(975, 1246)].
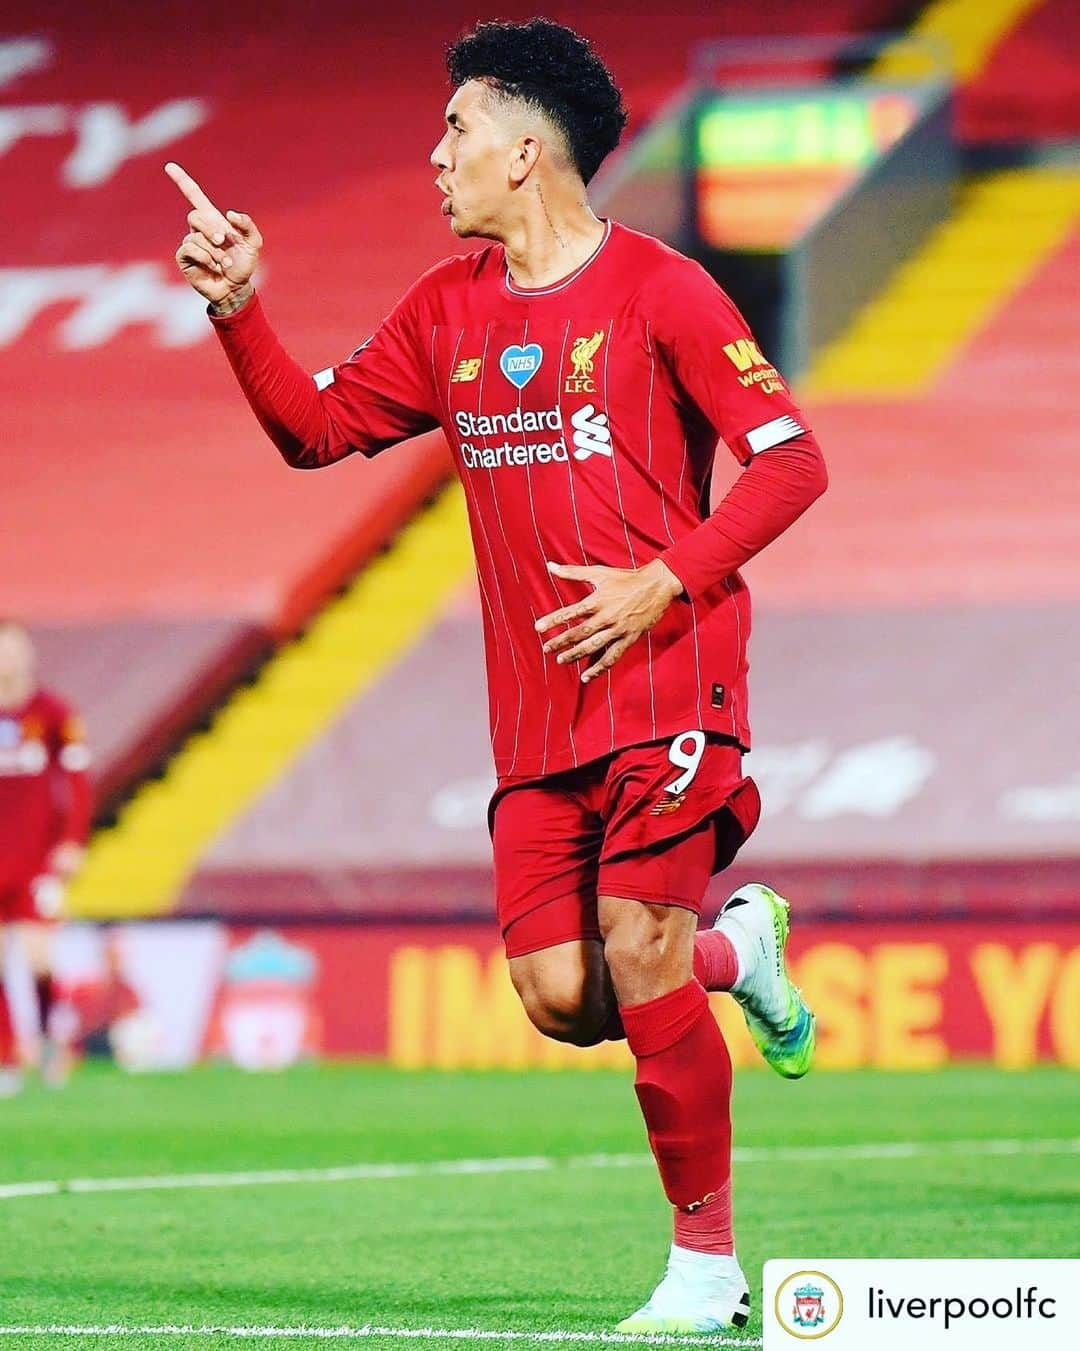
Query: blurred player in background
[(583, 374), (44, 820)]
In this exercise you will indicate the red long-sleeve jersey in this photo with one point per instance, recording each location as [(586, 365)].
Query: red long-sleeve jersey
[(45, 795), (584, 419)]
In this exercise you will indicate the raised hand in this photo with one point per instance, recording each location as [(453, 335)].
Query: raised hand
[(220, 250)]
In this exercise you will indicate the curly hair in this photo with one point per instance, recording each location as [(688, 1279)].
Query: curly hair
[(555, 70)]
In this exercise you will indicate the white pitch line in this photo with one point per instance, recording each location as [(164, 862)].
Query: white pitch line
[(904, 1149), (369, 1330), (375, 1172)]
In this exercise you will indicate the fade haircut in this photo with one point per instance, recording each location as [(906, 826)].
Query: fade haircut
[(553, 69)]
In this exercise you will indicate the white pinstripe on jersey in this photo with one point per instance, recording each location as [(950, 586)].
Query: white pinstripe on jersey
[(485, 599), (693, 603), (660, 490), (607, 676), (622, 514), (495, 573), (544, 660), (467, 481), (570, 472), (667, 523)]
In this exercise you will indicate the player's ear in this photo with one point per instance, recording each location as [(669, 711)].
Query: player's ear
[(524, 154)]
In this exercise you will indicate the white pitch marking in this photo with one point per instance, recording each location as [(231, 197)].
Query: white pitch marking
[(375, 1172), (369, 1330)]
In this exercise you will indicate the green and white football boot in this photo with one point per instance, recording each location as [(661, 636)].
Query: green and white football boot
[(755, 919)]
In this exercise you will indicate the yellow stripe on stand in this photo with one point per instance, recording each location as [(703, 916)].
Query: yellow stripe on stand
[(140, 866), (1004, 226), (969, 29)]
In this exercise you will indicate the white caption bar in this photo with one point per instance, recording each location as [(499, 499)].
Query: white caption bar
[(935, 1305)]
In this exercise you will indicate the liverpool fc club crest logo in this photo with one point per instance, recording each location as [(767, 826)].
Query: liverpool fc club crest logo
[(580, 380), (809, 1309), (808, 1305)]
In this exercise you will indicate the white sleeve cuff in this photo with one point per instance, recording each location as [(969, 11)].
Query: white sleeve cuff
[(772, 433)]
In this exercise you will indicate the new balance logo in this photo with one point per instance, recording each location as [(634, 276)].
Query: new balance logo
[(592, 436), (466, 370), (667, 805)]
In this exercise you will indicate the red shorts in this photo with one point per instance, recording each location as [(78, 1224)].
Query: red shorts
[(35, 901), (649, 823)]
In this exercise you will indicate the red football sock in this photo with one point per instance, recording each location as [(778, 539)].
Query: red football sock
[(7, 1032), (684, 1087), (709, 1228), (715, 964)]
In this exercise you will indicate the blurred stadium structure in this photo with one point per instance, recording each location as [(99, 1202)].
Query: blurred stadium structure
[(281, 673)]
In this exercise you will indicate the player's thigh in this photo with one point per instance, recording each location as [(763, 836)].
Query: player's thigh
[(648, 911), (547, 841)]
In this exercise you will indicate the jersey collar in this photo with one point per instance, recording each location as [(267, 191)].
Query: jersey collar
[(566, 281)]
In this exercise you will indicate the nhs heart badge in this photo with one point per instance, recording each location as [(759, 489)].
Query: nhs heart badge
[(520, 364)]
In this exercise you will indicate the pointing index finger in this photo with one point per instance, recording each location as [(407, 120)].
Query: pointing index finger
[(190, 189)]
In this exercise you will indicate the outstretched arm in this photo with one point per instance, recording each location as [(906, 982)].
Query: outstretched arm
[(373, 401), (282, 395)]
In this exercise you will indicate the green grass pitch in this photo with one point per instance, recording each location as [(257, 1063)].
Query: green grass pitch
[(562, 1248)]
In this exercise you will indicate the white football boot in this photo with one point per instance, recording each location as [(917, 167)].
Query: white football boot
[(755, 919), (699, 1292)]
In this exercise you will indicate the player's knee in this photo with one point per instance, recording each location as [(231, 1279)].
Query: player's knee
[(560, 1010), (563, 1022), (634, 938), (648, 948)]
